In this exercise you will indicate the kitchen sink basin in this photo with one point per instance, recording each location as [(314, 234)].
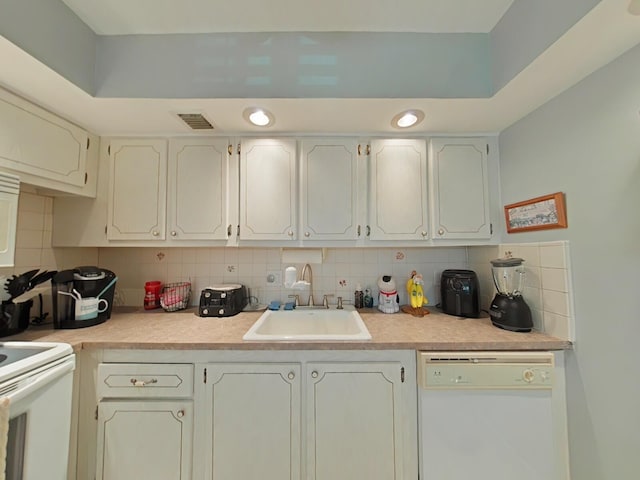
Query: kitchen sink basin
[(309, 324)]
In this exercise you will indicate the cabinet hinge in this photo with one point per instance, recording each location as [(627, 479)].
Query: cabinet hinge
[(402, 374), (491, 229), (238, 232), (105, 229), (86, 177), (204, 376), (109, 150), (88, 142), (96, 414), (487, 149)]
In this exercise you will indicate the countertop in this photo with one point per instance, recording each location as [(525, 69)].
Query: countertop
[(135, 328)]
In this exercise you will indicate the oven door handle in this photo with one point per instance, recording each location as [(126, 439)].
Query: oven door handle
[(41, 379)]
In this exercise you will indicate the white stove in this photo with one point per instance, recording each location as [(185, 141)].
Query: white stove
[(36, 381)]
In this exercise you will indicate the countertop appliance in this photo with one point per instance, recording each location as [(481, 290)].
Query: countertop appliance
[(36, 382), (81, 282), (508, 308), (224, 300), (492, 416), (460, 293)]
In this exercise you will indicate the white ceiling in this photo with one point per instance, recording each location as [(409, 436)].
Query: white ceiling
[(602, 35), (124, 17)]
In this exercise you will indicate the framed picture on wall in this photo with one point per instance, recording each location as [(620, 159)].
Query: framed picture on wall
[(538, 213)]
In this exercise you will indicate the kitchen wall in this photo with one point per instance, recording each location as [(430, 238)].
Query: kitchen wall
[(586, 143), (547, 280)]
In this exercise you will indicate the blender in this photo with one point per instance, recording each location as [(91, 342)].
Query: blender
[(508, 308)]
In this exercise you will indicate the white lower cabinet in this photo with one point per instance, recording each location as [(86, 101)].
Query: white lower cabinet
[(354, 421), (315, 420), (145, 421), (144, 440), (272, 415), (253, 421)]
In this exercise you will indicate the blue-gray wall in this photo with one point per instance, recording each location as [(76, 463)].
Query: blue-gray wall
[(586, 143)]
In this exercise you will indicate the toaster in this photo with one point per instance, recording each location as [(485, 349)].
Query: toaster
[(459, 293), (223, 300)]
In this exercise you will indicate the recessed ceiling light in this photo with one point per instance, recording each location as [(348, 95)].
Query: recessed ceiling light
[(407, 119), (259, 117)]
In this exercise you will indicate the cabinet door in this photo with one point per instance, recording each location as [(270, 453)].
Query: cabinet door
[(329, 183), (137, 189), (197, 189), (144, 440), (38, 143), (460, 188), (354, 421), (398, 190), (268, 189), (254, 420)]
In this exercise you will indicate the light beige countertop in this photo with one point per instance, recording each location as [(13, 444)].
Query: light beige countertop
[(135, 328)]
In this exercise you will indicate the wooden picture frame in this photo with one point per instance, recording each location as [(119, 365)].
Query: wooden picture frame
[(538, 213)]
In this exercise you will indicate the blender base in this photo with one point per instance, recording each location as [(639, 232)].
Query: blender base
[(511, 313)]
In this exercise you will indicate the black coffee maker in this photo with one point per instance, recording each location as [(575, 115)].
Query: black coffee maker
[(81, 282), (508, 308)]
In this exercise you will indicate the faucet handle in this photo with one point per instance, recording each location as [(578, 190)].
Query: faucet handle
[(296, 299), (325, 300), (339, 306)]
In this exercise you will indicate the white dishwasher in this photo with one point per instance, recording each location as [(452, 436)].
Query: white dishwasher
[(492, 416)]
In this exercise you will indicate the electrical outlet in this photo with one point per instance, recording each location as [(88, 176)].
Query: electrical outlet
[(274, 278)]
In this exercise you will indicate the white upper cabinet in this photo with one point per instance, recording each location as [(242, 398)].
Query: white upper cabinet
[(398, 190), (137, 189), (329, 189), (268, 185), (459, 185), (198, 189), (44, 149)]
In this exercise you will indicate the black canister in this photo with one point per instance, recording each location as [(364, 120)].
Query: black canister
[(14, 317)]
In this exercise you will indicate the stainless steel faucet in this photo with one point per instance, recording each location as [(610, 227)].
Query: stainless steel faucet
[(304, 271)]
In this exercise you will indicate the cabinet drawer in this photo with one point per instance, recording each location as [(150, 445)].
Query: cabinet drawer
[(132, 380)]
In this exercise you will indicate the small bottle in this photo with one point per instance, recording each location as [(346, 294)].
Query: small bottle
[(358, 300), (368, 299)]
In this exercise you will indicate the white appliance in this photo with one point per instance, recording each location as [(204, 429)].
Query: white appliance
[(492, 416), (9, 191), (37, 378)]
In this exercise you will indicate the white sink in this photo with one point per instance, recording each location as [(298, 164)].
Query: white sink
[(309, 324)]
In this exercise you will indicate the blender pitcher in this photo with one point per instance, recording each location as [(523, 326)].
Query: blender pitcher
[(508, 275)]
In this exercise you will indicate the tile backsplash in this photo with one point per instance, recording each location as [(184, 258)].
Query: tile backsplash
[(262, 270)]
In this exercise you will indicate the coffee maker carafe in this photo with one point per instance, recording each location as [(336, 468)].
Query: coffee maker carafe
[(82, 296), (508, 308)]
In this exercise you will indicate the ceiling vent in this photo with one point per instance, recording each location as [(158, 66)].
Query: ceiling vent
[(196, 121)]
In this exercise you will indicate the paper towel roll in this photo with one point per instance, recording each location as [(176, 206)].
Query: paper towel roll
[(290, 276)]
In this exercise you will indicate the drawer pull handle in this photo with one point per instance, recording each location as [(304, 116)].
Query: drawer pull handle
[(143, 383)]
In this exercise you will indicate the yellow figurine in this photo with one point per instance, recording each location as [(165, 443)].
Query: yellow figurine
[(417, 298)]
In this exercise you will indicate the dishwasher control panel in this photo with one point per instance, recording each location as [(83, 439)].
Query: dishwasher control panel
[(485, 370)]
